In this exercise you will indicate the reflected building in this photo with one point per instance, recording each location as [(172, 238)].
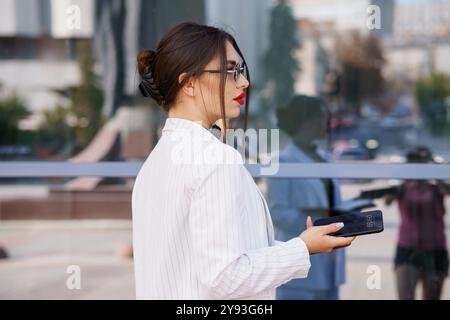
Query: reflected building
[(415, 35), (420, 42), (38, 38), (248, 21), (38, 48)]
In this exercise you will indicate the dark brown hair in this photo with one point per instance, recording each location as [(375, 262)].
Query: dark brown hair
[(187, 47)]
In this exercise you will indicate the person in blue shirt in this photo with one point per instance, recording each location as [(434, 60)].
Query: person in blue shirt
[(292, 200)]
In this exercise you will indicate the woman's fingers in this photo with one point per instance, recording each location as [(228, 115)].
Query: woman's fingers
[(330, 228), (317, 238), (309, 223), (342, 241)]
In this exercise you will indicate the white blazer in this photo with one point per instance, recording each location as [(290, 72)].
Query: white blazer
[(201, 227)]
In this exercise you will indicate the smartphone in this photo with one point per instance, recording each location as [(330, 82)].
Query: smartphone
[(355, 223)]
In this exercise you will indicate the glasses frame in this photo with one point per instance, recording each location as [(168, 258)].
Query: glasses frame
[(238, 70)]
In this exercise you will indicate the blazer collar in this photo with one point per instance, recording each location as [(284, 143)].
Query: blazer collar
[(179, 124)]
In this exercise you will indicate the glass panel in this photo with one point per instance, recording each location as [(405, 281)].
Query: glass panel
[(413, 244), (68, 81), (65, 240), (344, 81)]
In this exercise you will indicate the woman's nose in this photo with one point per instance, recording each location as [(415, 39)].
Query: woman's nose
[(243, 82)]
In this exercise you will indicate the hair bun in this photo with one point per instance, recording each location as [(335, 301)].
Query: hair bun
[(145, 59), (148, 86)]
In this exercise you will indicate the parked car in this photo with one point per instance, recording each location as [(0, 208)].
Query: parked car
[(353, 149)]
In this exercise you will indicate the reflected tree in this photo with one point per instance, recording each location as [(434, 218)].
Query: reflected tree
[(279, 64), (433, 95), (361, 60)]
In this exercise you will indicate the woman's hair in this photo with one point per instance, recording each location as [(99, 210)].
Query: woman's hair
[(186, 48)]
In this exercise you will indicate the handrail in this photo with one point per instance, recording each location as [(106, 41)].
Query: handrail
[(21, 169)]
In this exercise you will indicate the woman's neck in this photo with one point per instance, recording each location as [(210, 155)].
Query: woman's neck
[(189, 117), (198, 118)]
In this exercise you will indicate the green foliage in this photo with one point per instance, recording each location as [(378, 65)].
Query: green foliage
[(361, 58), (12, 110), (73, 128), (55, 134), (431, 93), (279, 63), (87, 99)]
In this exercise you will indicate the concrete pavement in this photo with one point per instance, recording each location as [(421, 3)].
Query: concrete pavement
[(41, 252)]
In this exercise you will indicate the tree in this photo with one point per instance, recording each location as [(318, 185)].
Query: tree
[(86, 99), (55, 134), (12, 110), (361, 60), (432, 93), (279, 63), (73, 128)]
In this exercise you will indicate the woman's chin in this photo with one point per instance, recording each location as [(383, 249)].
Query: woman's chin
[(234, 112)]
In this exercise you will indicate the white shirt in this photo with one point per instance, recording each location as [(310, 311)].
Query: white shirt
[(201, 227)]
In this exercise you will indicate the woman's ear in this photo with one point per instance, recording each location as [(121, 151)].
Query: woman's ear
[(188, 87)]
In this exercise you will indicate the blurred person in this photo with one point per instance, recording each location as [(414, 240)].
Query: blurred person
[(421, 253), (305, 120), (3, 252), (201, 228)]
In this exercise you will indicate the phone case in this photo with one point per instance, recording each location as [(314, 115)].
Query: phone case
[(356, 223)]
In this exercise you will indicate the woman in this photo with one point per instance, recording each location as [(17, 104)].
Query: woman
[(201, 227), (421, 253)]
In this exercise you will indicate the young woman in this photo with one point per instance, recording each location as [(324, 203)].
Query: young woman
[(201, 227), (421, 254)]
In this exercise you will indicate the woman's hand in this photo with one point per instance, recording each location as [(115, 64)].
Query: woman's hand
[(317, 239)]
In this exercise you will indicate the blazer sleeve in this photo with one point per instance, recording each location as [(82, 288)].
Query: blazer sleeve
[(223, 265)]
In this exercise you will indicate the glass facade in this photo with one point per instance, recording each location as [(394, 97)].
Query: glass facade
[(348, 82)]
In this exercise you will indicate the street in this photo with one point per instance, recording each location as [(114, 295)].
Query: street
[(41, 252)]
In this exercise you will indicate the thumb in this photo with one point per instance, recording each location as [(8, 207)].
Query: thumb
[(309, 223), (330, 228)]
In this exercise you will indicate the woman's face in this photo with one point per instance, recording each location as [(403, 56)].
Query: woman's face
[(208, 94)]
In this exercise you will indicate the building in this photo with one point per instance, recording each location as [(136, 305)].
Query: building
[(343, 14), (415, 35), (319, 21), (420, 42), (314, 60), (248, 21), (38, 40)]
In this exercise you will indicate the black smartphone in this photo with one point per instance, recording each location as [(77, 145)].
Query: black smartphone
[(355, 223)]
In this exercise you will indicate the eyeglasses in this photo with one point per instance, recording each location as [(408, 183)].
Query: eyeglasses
[(237, 71)]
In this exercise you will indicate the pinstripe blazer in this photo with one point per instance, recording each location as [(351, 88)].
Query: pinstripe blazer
[(201, 227)]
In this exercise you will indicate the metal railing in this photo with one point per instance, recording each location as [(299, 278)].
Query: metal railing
[(17, 169)]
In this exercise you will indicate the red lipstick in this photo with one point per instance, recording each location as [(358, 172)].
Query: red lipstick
[(240, 98)]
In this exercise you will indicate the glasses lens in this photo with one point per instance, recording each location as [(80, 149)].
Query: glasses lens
[(238, 71)]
